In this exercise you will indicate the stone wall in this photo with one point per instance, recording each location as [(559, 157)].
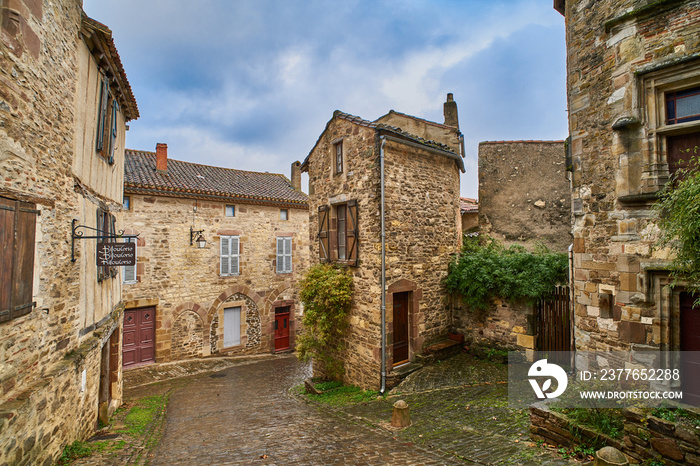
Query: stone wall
[(51, 360), (524, 193), (184, 283), (422, 222), (504, 324), (646, 437), (623, 57)]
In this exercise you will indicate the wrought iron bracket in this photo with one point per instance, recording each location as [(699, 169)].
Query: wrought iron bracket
[(195, 235), (75, 234)]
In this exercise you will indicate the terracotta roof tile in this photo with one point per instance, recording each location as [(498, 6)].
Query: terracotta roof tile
[(196, 180), (467, 204)]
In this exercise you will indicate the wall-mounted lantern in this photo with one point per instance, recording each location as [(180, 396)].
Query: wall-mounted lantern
[(197, 237)]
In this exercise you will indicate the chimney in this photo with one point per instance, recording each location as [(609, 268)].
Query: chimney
[(450, 112), (296, 175), (162, 157)]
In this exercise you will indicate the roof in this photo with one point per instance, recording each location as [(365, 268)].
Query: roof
[(467, 204), (522, 142), (98, 38), (193, 180), (384, 128), (431, 123)]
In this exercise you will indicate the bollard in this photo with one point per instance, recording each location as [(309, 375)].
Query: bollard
[(401, 415), (609, 456)]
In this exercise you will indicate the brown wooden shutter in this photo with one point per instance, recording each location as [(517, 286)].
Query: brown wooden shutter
[(323, 227), (17, 234), (24, 260), (7, 246), (352, 233)]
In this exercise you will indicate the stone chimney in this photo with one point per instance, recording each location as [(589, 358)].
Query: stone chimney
[(450, 111), (296, 175), (162, 157)]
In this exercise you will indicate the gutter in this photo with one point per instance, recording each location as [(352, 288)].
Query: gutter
[(383, 323), (434, 150)]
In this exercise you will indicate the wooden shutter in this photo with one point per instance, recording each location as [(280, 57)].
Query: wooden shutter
[(284, 254), (17, 232), (113, 131), (352, 233), (235, 255), (225, 255), (102, 114), (323, 236), (112, 232)]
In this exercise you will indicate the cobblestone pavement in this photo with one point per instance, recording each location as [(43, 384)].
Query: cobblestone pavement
[(245, 415)]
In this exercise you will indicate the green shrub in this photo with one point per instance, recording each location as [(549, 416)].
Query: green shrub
[(485, 270), (326, 291)]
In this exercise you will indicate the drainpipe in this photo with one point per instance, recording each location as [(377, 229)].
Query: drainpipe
[(572, 318), (381, 183)]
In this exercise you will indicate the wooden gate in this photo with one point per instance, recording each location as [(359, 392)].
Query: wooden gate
[(554, 321)]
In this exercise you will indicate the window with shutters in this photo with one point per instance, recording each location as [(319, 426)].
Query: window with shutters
[(338, 152), (129, 271), (106, 227), (230, 256), (284, 254), (17, 235), (338, 232), (107, 115)]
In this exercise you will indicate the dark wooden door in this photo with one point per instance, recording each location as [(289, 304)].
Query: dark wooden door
[(554, 324), (690, 347), (400, 328), (282, 328), (138, 347)]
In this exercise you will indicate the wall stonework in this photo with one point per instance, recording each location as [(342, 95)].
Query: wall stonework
[(623, 57), (524, 193), (422, 231), (509, 325), (60, 364), (179, 276)]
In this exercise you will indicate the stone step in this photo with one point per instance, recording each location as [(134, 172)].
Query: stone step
[(439, 351), (401, 372)]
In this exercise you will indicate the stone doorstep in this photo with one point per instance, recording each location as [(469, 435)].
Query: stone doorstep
[(401, 372), (439, 351)]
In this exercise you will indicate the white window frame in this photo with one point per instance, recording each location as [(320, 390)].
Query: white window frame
[(233, 209), (229, 256), (132, 268), (284, 254), (284, 214)]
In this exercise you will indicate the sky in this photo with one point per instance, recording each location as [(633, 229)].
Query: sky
[(251, 84)]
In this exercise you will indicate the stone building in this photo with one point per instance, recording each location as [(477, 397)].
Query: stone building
[(64, 104), (524, 194), (415, 164), (633, 97), (219, 254), (469, 208)]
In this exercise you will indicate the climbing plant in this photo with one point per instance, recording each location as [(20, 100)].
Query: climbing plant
[(326, 291), (485, 270), (679, 220)]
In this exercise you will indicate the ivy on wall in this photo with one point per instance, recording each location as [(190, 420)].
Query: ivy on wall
[(485, 270), (326, 291)]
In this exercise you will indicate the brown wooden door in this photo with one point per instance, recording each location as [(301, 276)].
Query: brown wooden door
[(281, 328), (400, 328), (680, 149), (138, 347), (690, 345)]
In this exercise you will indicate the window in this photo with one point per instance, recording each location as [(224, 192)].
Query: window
[(106, 227), (284, 254), (338, 150), (337, 233), (107, 122), (230, 210), (284, 214), (127, 203), (230, 248), (129, 271), (17, 234), (683, 106), (341, 211), (232, 326)]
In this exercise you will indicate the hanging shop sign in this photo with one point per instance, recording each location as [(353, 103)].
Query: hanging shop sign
[(116, 254)]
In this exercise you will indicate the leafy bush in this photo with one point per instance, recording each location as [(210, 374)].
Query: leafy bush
[(326, 291), (679, 221), (485, 270)]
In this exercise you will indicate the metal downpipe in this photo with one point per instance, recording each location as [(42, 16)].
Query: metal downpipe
[(383, 323)]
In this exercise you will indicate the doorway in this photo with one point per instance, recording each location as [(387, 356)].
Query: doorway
[(690, 347), (282, 325), (400, 328), (139, 337)]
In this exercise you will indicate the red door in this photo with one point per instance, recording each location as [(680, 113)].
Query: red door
[(281, 328), (690, 345), (139, 337), (400, 328)]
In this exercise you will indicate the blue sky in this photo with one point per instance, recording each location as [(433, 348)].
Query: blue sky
[(250, 84)]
